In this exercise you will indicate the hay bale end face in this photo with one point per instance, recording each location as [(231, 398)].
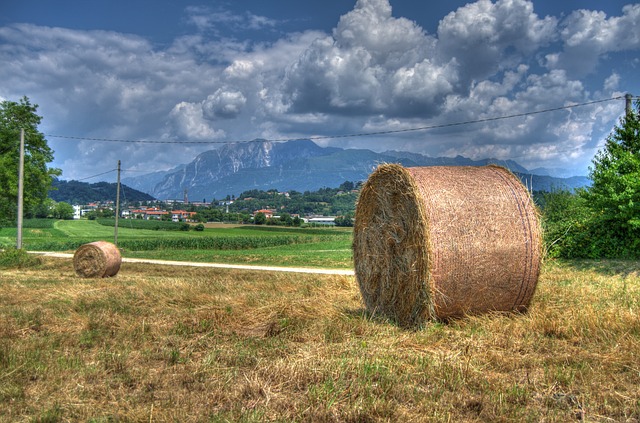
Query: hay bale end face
[(98, 259), (434, 243)]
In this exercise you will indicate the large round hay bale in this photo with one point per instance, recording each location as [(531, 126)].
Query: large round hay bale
[(433, 243), (98, 259)]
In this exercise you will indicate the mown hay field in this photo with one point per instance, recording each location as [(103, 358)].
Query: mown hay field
[(160, 343)]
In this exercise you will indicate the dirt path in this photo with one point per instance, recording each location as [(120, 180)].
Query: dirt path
[(345, 272)]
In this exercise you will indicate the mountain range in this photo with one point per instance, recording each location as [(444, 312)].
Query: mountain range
[(302, 166)]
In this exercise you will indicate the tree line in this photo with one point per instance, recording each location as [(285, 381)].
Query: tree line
[(603, 220)]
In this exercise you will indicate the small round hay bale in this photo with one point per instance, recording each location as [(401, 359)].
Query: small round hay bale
[(434, 243), (98, 259)]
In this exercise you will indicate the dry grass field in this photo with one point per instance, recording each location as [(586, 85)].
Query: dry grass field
[(159, 343)]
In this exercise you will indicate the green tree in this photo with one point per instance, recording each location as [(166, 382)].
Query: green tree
[(564, 217), (347, 186), (63, 210), (345, 221), (37, 176), (614, 196), (42, 210), (260, 219), (286, 219)]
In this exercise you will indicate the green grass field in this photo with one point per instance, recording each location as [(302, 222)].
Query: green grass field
[(335, 254), (234, 244)]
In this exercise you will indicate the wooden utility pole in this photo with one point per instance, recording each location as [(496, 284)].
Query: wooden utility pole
[(20, 191), (115, 233), (628, 107)]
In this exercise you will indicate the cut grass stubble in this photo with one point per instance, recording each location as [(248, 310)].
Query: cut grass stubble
[(192, 344)]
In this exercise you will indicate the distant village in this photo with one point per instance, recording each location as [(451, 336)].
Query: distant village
[(325, 206), (173, 210)]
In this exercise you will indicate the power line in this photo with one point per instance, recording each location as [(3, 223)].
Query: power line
[(95, 176), (353, 135), (111, 171), (137, 171), (468, 122)]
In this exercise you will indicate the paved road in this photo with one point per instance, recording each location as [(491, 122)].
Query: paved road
[(345, 272)]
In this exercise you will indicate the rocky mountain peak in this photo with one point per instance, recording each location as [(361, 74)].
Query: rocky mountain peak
[(296, 165)]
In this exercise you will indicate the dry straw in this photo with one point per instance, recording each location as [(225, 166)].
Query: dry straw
[(98, 259), (433, 243)]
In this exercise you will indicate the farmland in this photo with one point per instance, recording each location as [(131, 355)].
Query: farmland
[(162, 343), (237, 244)]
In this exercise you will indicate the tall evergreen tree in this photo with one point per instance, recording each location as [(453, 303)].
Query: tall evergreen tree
[(37, 176), (614, 196)]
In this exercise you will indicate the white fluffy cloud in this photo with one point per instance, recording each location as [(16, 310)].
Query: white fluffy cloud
[(588, 35), (486, 37), (100, 84), (99, 79), (482, 64), (189, 123), (223, 104), (373, 72), (374, 63)]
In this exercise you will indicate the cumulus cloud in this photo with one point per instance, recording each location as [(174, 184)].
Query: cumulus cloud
[(189, 123), (518, 93), (373, 63), (612, 82), (223, 104), (588, 35), (373, 72), (485, 37), (376, 63), (241, 69), (105, 78), (98, 84), (250, 83)]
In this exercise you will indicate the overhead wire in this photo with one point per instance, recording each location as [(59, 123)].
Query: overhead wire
[(386, 132), (338, 136), (95, 176)]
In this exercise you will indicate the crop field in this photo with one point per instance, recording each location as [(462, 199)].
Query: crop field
[(164, 343), (236, 244)]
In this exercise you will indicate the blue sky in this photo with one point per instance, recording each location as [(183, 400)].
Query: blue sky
[(220, 71)]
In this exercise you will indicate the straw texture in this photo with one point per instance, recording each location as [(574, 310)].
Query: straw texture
[(434, 243), (98, 259)]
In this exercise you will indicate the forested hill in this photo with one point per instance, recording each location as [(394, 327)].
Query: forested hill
[(76, 192)]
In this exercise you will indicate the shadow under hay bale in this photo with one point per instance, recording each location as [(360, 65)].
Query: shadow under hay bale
[(434, 243), (98, 259)]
